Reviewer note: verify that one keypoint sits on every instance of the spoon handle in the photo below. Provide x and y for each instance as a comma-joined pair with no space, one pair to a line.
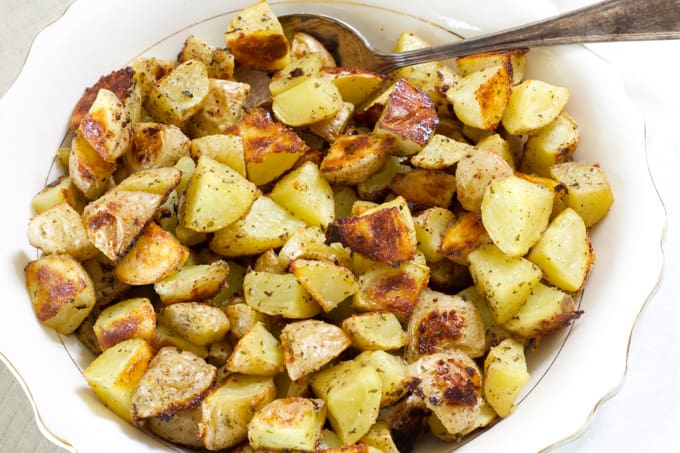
611,20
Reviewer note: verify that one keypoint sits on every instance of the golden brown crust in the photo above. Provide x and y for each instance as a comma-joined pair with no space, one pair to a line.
425,188
410,113
121,82
381,235
258,52
463,236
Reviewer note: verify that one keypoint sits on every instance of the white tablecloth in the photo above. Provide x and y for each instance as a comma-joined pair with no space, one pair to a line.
644,416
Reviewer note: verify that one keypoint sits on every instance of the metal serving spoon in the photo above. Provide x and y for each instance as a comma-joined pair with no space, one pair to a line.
611,20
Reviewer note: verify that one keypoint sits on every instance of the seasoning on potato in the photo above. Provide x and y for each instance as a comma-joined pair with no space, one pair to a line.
355,261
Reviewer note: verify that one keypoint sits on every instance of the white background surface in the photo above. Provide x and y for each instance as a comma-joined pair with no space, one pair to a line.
644,416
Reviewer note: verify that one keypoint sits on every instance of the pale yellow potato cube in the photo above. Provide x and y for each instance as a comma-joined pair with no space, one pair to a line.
242,318
114,374
222,107
375,330
306,194
564,252
312,100
310,243
480,98
441,152
227,410
352,393
504,281
355,85
545,310
201,324
495,333
61,292
392,371
533,104
333,127
267,225
515,212
279,294
431,225
180,94
310,344
62,190
328,283
589,192
552,144
505,374
132,318
192,283
257,353
167,337
216,196
225,149
288,423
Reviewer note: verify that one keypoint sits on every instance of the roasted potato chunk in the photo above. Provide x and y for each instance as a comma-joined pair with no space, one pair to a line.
384,233
179,94
474,173
222,108
216,196
201,324
132,318
463,236
441,152
257,353
106,126
564,252
193,283
181,428
352,393
114,375
155,145
61,292
476,62
545,310
480,98
88,170
61,190
227,410
409,117
375,330
441,322
310,344
425,188
60,230
288,423
155,255
225,149
279,294
175,380
532,105
515,212
352,158
355,85
450,385
304,44
310,101
504,281
256,39
269,147
550,145
328,283
218,62
505,373
392,371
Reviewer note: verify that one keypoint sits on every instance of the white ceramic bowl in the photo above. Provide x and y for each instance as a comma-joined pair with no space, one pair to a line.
571,373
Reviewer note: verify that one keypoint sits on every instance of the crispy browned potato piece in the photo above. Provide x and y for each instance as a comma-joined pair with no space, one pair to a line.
465,235
269,147
425,188
409,116
122,82
175,380
382,235
353,158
